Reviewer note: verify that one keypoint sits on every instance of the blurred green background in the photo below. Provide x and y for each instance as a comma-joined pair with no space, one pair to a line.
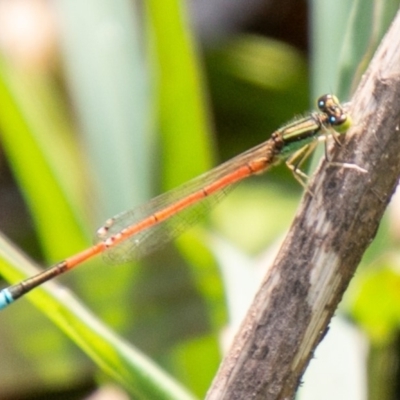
105,104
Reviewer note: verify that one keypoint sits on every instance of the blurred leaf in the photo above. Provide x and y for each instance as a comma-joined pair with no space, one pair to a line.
367,24
259,61
253,215
110,88
44,158
122,362
182,106
187,150
257,84
187,357
329,19
375,299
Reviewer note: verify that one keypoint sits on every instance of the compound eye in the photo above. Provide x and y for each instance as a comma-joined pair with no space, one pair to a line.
328,102
321,103
332,120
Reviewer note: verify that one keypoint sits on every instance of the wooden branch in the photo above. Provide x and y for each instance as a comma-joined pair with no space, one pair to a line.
291,312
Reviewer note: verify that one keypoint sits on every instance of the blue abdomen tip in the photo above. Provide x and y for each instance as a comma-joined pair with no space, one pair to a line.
5,298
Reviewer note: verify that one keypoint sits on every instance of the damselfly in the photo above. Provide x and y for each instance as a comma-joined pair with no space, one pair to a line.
135,233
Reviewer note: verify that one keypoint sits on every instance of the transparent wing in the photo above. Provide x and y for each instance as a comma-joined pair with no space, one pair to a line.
149,239
156,236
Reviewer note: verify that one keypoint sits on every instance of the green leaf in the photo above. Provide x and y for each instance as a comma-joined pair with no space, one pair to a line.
184,123
121,361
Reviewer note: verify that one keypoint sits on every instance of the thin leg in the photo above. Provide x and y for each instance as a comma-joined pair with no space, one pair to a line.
295,161
335,136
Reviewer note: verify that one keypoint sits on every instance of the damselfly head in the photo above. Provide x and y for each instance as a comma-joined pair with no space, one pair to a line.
336,115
